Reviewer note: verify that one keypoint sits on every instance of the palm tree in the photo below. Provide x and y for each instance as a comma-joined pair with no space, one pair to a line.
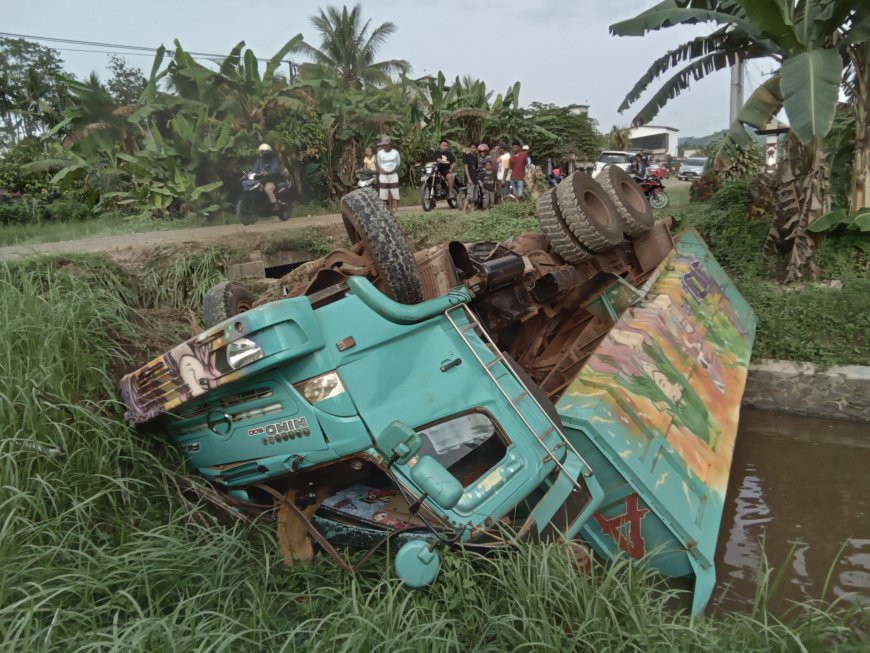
619,138
820,45
348,49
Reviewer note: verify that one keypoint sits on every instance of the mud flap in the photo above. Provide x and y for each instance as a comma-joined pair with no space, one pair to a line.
655,409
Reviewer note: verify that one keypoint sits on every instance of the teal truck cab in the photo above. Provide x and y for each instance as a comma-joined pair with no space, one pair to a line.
526,396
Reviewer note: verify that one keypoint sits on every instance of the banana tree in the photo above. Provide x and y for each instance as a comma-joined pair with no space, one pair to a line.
818,43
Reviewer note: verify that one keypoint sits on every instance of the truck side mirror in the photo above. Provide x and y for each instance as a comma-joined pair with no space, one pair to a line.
440,485
398,443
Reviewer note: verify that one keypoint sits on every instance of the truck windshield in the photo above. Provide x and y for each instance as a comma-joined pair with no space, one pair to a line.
614,157
467,445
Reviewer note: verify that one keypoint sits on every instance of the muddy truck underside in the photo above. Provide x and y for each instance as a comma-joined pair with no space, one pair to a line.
560,386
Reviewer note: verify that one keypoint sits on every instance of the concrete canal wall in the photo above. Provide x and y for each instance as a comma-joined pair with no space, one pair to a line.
805,389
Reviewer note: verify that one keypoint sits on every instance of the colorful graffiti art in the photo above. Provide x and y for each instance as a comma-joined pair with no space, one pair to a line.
660,400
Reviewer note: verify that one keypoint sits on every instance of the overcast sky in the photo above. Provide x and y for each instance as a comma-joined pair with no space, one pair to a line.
560,51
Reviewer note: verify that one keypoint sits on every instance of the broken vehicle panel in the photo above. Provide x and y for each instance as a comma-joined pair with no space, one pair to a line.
595,400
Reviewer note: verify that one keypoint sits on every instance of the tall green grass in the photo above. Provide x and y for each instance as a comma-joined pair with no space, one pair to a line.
100,552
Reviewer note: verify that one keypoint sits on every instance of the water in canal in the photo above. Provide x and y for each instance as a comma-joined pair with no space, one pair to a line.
799,488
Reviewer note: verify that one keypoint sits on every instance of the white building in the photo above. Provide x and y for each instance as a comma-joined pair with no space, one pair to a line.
657,139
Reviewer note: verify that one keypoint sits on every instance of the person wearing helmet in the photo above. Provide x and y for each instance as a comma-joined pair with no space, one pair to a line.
267,170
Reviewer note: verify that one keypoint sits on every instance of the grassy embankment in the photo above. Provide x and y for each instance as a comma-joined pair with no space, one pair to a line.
101,552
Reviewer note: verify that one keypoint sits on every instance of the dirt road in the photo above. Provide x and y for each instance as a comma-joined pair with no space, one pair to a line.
149,239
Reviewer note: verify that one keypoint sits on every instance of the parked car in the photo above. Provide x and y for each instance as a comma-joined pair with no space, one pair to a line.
613,158
692,168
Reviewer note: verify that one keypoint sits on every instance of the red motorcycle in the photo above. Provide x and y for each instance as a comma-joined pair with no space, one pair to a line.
655,192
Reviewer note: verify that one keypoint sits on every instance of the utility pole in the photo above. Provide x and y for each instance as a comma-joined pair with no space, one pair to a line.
737,74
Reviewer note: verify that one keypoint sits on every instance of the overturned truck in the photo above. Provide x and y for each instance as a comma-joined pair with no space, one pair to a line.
579,385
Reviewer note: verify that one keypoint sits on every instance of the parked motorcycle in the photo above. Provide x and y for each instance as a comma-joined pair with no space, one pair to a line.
366,178
434,188
255,204
655,192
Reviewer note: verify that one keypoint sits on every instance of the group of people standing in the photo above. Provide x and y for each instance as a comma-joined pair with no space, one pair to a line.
495,174
489,175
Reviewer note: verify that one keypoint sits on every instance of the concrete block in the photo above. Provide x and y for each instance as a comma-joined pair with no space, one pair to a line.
249,270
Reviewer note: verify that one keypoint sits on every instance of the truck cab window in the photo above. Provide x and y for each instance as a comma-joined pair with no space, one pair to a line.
467,445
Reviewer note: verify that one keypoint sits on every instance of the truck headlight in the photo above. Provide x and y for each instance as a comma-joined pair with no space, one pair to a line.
242,352
320,387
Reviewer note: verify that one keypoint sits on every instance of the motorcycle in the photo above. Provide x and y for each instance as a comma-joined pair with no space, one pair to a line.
366,178
654,191
434,188
254,203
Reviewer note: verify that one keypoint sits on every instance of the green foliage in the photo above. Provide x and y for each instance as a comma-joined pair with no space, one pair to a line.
704,187
817,324
735,239
180,278
30,89
15,177
500,223
29,211
126,83
570,135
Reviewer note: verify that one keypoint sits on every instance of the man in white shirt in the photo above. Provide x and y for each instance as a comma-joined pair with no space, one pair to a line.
503,170
388,161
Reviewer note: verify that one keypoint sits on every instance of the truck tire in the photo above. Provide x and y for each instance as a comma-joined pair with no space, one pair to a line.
366,219
589,213
557,232
225,300
627,197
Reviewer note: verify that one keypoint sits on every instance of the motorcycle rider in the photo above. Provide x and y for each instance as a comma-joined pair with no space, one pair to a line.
637,167
266,169
446,162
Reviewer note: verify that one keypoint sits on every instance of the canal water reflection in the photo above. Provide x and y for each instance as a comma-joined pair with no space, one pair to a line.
797,483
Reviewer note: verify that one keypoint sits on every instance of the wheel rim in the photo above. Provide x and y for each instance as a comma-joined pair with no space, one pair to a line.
658,201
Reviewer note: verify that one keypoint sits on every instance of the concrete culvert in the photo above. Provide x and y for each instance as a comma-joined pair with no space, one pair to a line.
627,196
553,226
366,219
589,213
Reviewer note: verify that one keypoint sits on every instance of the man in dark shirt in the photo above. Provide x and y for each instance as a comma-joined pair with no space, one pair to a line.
446,162
471,163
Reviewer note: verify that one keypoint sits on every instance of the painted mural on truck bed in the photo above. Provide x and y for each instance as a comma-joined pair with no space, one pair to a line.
659,399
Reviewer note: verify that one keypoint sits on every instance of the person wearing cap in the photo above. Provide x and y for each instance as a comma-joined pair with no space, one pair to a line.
518,162
388,161
529,163
267,170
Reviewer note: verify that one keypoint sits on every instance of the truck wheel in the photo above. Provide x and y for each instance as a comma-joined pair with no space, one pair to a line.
627,197
245,211
589,213
366,219
225,300
557,232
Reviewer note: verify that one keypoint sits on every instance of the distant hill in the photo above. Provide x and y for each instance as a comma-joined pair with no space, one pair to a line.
700,142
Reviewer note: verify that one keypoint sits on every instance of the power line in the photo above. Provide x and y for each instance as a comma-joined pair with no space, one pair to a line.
128,49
